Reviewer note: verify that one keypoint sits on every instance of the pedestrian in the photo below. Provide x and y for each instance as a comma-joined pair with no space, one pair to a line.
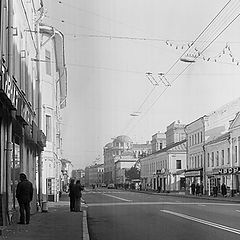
71,195
224,190
78,194
197,189
201,188
193,188
215,191
24,195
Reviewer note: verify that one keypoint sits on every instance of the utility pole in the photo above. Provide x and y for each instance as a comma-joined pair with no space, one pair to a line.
39,99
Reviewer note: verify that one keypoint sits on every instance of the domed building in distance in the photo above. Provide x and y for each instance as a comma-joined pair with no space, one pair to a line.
119,154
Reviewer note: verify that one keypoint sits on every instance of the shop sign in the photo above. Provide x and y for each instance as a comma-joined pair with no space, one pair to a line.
9,88
231,170
193,173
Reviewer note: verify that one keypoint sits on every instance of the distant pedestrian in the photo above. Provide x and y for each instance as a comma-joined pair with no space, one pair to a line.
193,188
78,194
224,190
24,195
201,188
197,189
71,195
215,191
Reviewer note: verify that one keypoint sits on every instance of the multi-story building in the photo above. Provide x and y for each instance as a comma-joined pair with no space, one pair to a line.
123,163
158,141
21,137
164,169
94,175
218,158
79,174
119,146
53,87
206,133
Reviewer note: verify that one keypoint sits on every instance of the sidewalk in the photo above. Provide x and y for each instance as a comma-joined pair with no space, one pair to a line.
183,195
58,223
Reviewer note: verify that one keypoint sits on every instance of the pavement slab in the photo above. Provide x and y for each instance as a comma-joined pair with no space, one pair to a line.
58,223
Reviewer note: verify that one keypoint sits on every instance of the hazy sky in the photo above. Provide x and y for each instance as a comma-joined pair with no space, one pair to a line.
106,76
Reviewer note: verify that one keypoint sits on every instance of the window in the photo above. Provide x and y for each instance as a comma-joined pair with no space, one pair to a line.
160,145
178,164
48,62
201,161
222,157
208,159
212,159
198,161
198,139
217,158
201,137
236,154
48,128
228,155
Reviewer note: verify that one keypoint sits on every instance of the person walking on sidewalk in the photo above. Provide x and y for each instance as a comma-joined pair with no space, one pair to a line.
72,195
78,194
193,188
24,195
224,190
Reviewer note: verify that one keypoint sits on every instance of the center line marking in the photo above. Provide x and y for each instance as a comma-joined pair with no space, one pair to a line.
123,199
212,224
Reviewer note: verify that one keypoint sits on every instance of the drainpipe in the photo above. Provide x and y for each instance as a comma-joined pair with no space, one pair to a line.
39,101
9,124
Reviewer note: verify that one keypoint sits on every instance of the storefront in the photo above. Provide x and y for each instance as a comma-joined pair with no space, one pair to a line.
229,176
193,176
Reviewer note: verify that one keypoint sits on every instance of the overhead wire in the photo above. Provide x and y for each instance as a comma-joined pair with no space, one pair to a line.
191,63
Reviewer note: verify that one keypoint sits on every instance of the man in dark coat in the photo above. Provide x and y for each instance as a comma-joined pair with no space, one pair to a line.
24,195
224,190
72,195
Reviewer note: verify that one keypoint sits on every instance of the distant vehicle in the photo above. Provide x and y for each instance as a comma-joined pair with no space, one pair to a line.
111,186
104,185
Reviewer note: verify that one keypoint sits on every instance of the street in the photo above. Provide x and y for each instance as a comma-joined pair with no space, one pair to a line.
117,214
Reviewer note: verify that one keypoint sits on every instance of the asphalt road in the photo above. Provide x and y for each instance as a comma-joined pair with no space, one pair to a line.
116,214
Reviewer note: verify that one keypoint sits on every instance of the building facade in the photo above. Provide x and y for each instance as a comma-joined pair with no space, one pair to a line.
94,175
52,82
163,170
121,145
22,139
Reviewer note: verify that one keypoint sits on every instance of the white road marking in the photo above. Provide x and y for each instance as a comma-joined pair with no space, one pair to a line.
202,205
212,224
237,210
123,199
159,203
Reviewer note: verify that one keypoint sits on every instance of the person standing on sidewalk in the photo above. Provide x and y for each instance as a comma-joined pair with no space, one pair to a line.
24,195
72,195
78,194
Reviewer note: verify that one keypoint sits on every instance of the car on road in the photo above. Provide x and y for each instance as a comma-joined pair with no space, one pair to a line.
111,186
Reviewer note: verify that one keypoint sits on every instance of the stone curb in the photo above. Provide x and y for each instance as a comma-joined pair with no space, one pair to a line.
85,226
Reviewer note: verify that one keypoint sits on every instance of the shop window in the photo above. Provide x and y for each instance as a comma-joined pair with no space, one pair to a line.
15,171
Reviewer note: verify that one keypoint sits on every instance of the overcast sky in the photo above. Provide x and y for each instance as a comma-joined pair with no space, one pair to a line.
106,76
